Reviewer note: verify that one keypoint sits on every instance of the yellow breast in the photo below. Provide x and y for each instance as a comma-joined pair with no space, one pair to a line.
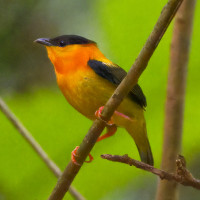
85,91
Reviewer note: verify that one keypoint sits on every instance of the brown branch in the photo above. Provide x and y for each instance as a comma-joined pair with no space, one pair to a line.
182,176
174,110
122,90
36,146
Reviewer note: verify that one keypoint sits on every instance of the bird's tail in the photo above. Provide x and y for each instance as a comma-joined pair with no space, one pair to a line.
137,130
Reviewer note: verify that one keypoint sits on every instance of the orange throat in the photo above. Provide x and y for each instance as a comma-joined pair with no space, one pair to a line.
73,57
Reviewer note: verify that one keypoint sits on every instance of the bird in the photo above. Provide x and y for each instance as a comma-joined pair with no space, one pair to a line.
87,79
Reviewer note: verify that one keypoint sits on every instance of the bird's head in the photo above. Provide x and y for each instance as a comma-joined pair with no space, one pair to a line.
66,48
63,45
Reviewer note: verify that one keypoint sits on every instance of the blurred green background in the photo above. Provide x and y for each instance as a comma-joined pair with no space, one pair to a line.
28,85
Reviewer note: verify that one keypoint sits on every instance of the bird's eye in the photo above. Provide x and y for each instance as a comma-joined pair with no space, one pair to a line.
62,43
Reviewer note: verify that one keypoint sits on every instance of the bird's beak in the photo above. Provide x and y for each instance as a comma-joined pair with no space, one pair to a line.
44,41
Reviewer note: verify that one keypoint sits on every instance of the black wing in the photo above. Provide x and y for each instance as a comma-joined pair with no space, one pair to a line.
116,74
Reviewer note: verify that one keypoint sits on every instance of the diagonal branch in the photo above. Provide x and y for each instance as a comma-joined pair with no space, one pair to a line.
35,145
122,90
182,175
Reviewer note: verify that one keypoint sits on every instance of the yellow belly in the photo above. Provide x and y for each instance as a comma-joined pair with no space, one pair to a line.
86,92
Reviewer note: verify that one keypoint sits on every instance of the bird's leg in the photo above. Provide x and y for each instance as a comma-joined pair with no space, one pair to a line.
110,122
122,115
98,115
112,128
111,131
73,155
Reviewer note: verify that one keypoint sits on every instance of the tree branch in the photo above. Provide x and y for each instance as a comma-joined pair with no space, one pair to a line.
174,109
36,146
182,176
122,90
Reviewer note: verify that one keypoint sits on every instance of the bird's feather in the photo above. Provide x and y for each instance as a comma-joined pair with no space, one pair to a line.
115,75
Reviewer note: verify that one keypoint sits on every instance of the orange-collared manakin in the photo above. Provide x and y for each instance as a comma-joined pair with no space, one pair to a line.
88,79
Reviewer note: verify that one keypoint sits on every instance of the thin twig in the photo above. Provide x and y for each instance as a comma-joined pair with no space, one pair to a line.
182,176
36,146
122,90
174,111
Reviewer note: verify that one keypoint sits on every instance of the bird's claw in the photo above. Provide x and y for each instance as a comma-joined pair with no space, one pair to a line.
98,115
73,155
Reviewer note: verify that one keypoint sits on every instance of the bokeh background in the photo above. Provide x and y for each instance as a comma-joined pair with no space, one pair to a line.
28,85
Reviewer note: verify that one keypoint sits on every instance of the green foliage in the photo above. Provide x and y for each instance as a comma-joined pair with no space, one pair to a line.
122,29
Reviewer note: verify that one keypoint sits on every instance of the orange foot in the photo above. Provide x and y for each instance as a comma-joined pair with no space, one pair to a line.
98,115
110,123
111,131
112,128
73,155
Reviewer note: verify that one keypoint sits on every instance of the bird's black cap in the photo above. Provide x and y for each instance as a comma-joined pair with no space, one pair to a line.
64,40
